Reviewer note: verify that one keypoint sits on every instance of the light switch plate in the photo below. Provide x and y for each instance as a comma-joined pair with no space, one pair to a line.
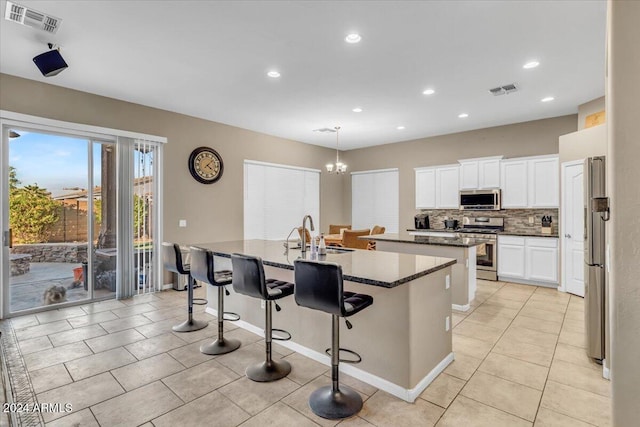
182,223
447,323
532,219
447,282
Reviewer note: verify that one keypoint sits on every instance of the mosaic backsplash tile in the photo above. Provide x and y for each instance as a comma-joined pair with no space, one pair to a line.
515,220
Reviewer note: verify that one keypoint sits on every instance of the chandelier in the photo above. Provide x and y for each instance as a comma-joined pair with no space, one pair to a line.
338,166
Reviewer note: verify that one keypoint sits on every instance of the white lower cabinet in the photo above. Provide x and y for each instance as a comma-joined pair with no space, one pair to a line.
528,259
542,259
511,257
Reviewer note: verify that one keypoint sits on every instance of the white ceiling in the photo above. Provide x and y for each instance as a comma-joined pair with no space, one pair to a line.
209,59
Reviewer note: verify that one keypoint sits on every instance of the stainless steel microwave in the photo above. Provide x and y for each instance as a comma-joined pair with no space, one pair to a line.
480,200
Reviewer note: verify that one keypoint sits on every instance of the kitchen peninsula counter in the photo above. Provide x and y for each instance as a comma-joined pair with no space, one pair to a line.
402,337
463,249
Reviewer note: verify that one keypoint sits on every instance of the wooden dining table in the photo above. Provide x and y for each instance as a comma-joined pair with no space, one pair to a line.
333,239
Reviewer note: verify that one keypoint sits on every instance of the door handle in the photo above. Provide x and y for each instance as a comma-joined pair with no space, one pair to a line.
568,236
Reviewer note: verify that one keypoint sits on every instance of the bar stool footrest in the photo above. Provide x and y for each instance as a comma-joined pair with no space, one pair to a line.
199,301
287,336
357,360
230,316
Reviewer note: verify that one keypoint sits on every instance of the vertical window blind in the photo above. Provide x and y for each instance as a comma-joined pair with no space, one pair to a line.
277,197
374,199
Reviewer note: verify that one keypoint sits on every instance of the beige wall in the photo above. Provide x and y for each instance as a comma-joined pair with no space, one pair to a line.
213,212
583,143
623,107
517,140
591,107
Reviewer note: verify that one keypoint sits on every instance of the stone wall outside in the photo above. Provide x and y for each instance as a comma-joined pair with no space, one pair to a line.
53,252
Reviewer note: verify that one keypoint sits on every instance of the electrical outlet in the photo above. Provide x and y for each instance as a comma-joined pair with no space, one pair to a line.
263,304
532,220
182,223
447,324
447,282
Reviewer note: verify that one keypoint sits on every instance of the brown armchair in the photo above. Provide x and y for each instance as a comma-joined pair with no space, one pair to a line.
350,238
335,229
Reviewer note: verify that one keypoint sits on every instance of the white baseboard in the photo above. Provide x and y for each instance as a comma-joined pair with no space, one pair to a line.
606,373
528,282
166,286
458,307
408,395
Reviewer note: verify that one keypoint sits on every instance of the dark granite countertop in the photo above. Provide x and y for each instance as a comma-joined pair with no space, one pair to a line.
524,233
438,230
463,242
377,268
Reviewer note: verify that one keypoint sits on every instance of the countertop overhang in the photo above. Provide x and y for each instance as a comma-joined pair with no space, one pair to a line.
463,242
377,268
524,233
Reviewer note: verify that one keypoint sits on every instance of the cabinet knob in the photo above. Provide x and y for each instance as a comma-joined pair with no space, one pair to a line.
568,236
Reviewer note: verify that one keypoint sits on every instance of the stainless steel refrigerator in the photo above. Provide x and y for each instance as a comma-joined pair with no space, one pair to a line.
595,292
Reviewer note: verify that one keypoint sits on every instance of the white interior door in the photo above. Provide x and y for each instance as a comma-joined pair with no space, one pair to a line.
573,228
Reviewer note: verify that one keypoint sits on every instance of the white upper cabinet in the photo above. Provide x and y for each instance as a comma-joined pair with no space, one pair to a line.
544,182
447,187
437,187
425,188
480,173
514,183
530,182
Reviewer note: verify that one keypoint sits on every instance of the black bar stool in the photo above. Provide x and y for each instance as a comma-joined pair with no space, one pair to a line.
202,269
248,279
172,260
319,286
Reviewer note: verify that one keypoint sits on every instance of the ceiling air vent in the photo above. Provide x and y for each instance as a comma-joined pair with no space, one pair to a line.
324,130
504,90
31,18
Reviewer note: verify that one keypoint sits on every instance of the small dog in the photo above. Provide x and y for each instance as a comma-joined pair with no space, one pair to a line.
55,295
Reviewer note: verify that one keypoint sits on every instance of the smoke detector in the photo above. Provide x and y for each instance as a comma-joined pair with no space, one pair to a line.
31,18
504,90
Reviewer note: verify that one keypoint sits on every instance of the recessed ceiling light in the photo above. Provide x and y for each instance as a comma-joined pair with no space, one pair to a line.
429,92
353,38
532,64
274,74
400,128
547,99
357,110
463,115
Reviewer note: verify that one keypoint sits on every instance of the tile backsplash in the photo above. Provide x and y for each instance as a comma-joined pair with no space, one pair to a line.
514,219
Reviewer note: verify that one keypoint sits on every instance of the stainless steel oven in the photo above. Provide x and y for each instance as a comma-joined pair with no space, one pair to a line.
485,228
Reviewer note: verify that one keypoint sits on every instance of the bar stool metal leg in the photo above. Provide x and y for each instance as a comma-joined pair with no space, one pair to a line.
190,324
334,402
269,370
221,345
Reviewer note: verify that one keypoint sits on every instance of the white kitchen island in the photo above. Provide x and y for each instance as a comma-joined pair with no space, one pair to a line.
402,337
463,250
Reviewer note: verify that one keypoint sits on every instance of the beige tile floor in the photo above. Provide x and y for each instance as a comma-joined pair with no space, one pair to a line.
520,361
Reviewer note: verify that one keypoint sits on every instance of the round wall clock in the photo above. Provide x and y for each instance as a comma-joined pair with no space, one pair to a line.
205,165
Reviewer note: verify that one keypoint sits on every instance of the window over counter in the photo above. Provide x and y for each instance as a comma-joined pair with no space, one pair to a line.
375,199
277,197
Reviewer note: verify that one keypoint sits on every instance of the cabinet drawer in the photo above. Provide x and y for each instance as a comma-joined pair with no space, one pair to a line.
542,242
511,240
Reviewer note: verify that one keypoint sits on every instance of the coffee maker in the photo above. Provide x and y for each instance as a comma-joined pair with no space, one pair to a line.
422,221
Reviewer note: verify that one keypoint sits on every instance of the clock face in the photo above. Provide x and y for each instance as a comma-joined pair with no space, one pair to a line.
205,165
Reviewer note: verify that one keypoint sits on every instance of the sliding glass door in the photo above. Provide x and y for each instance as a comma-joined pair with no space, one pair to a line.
80,215
62,220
